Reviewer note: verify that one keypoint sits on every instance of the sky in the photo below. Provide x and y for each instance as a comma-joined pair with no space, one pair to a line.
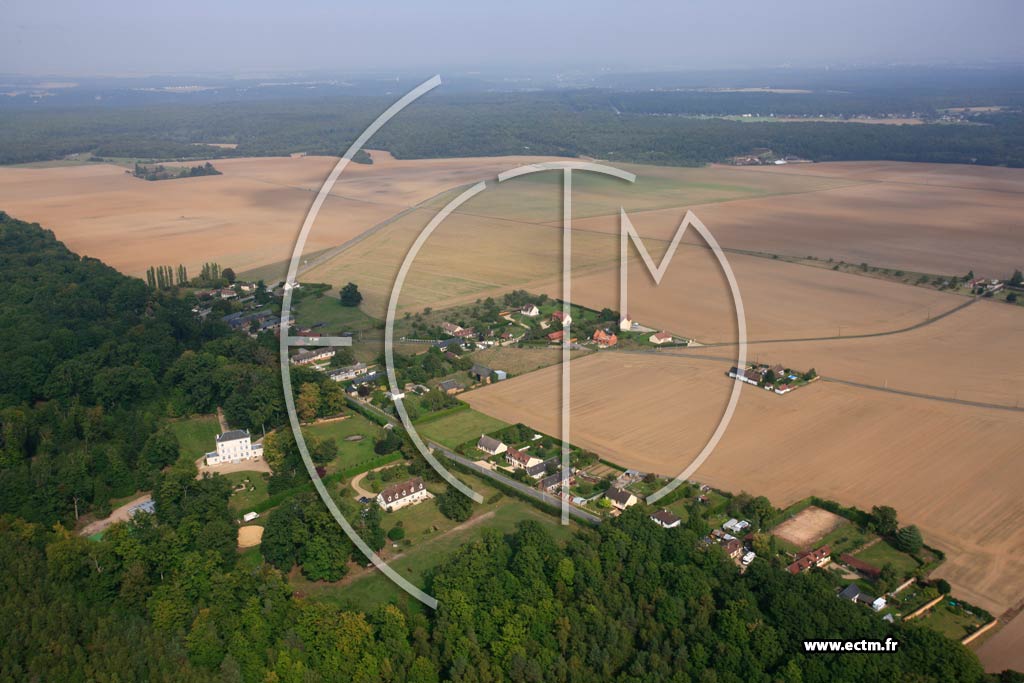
121,37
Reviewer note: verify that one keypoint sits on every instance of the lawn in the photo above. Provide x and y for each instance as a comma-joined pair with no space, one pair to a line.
244,501
844,538
352,452
457,428
196,436
328,309
883,553
951,621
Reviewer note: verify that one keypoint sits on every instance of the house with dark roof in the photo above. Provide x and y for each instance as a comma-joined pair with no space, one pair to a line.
490,445
620,498
553,481
450,387
398,496
481,373
666,519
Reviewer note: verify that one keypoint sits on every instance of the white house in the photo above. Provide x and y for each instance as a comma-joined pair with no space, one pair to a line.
490,446
665,519
530,311
398,496
519,460
736,526
562,318
660,338
312,356
625,323
234,446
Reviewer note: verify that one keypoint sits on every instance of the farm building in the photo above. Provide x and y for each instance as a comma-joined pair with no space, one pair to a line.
450,387
481,373
660,338
530,311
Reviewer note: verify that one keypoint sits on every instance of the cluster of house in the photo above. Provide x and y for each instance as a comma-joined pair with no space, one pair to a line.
732,545
241,321
234,446
469,338
758,376
312,356
536,468
819,557
403,494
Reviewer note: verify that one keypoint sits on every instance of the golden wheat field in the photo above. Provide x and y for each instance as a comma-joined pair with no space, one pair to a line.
952,470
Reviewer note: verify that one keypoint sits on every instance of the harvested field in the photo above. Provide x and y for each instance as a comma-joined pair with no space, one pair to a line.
781,300
1003,651
519,361
245,218
939,218
964,356
249,536
808,526
950,469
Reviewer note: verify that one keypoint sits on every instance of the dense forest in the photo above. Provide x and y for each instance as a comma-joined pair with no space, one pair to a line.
662,127
92,365
92,362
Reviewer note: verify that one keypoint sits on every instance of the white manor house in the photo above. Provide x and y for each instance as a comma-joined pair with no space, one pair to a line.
234,446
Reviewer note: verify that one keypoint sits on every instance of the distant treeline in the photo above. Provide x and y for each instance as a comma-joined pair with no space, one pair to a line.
651,127
161,172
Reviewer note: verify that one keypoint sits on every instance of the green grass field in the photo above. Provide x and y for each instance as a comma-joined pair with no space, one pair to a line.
457,428
327,309
196,436
351,454
244,501
882,553
952,622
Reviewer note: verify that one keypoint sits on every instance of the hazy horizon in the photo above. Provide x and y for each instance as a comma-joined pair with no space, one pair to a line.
115,37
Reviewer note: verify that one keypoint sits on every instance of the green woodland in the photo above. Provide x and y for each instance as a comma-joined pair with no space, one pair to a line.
671,128
93,365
